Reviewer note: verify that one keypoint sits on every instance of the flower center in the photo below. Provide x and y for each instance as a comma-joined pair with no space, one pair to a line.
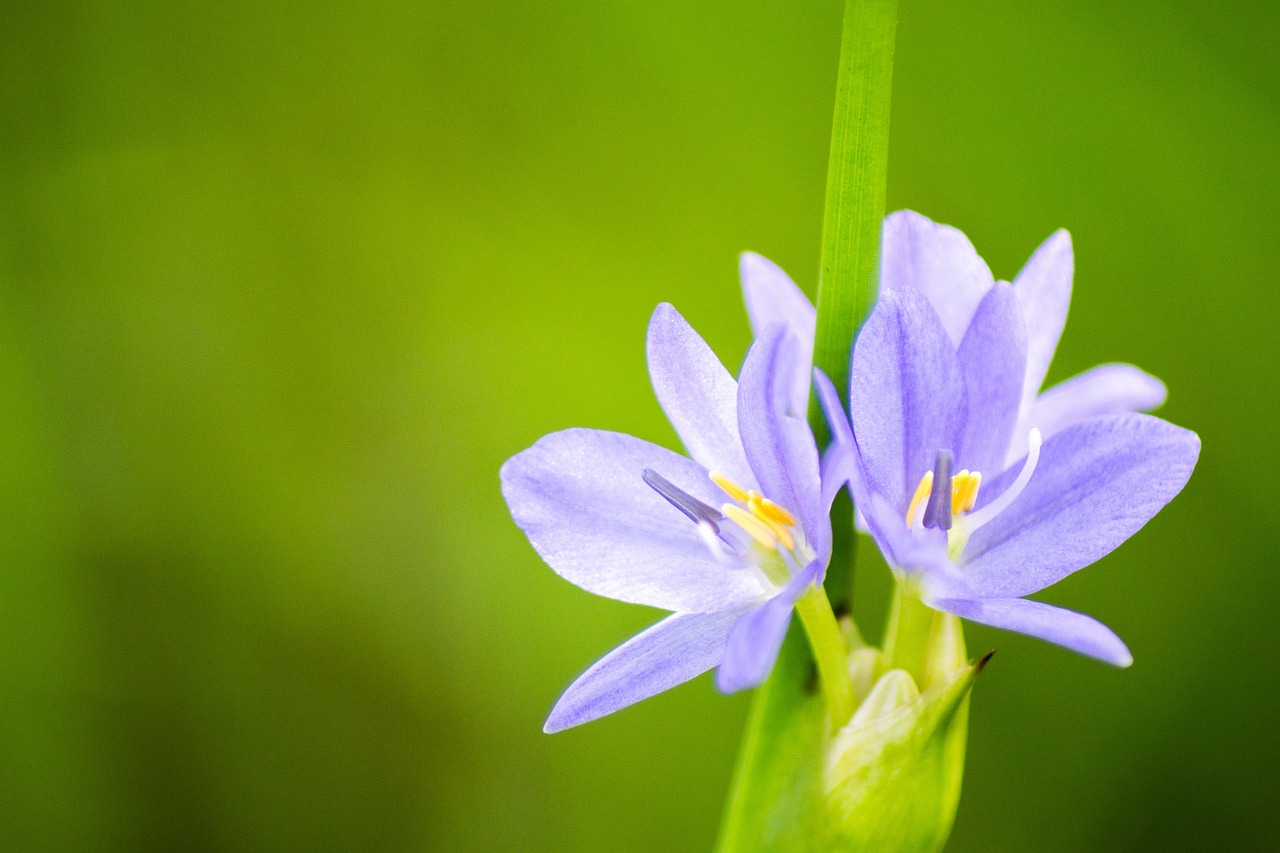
945,501
768,523
782,550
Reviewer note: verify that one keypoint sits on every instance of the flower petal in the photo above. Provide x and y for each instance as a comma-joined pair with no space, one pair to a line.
1068,628
753,643
1097,483
580,497
697,393
1044,288
678,648
772,297
923,550
937,261
1105,390
780,447
993,359
840,462
906,395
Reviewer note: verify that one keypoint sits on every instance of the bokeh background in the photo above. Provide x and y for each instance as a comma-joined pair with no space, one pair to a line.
282,285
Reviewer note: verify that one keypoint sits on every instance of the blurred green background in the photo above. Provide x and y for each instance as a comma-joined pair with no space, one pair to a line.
282,285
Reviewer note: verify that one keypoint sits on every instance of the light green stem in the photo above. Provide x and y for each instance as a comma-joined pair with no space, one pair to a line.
856,177
906,634
852,221
828,646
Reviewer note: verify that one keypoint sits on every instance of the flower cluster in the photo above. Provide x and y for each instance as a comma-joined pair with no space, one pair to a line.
979,488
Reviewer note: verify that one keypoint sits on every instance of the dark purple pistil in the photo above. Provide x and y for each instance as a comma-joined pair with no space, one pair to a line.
937,513
695,509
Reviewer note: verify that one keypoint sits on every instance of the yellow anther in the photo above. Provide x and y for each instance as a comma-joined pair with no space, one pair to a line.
961,487
729,487
971,493
922,492
758,530
959,483
777,513
784,535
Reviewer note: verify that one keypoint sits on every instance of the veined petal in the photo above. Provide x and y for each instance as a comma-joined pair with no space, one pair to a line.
906,394
780,447
923,550
697,393
937,261
1058,625
772,297
678,648
1107,389
1044,288
1097,483
993,359
840,462
753,643
580,497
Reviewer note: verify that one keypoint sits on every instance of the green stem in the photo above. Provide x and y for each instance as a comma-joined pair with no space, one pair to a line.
906,635
852,221
856,176
827,643
778,778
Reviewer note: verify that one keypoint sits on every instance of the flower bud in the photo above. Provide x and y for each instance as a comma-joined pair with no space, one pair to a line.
891,779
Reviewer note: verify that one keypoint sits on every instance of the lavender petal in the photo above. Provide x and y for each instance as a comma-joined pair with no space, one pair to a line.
993,360
1097,483
937,261
1105,390
1058,625
780,447
772,297
753,643
678,648
697,393
1044,289
906,394
581,498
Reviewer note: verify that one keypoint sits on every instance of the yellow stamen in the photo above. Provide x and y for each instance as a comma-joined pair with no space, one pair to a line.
922,492
784,535
777,513
959,485
758,530
971,493
729,487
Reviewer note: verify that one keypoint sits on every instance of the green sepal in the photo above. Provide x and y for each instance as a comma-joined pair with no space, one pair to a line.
892,775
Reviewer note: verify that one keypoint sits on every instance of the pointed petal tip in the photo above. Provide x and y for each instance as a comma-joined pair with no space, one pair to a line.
665,312
558,720
981,663
906,218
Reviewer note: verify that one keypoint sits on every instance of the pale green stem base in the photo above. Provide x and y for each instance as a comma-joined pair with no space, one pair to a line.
829,652
906,636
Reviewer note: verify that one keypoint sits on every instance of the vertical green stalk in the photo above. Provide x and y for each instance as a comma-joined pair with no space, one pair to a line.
852,222
826,641
777,784
856,175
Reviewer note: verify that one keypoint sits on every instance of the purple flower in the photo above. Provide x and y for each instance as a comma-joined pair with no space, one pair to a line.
727,540
977,488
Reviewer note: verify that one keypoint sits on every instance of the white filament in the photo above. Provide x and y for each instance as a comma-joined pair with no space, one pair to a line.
974,520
